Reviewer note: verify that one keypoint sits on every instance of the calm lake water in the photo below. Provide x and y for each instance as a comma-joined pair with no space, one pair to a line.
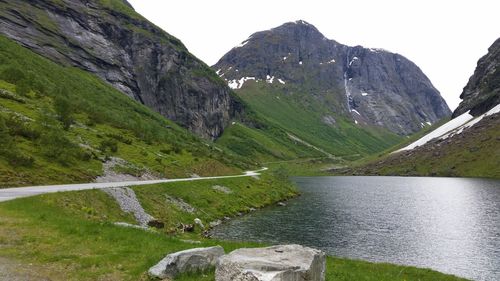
448,224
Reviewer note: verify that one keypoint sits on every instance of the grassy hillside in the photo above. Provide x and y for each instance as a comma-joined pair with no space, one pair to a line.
263,144
70,236
473,153
60,124
301,116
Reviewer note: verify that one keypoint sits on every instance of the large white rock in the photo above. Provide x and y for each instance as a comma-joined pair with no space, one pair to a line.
185,261
276,263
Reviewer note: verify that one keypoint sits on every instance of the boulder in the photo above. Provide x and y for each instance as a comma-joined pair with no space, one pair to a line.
214,223
198,222
276,263
186,261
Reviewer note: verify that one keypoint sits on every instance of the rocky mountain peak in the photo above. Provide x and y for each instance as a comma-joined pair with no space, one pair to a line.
372,87
300,30
482,92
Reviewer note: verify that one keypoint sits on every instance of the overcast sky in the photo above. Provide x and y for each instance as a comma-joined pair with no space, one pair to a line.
444,38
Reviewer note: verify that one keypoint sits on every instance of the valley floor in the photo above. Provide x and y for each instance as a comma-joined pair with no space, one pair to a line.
71,235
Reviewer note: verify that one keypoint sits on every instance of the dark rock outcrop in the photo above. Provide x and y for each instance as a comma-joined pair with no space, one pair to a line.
109,39
372,86
482,92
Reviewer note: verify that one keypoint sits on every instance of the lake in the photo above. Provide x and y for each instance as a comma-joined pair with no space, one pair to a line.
448,224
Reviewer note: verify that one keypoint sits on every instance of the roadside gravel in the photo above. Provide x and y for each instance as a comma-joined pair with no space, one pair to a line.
128,203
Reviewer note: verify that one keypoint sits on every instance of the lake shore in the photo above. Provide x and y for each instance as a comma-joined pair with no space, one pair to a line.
72,235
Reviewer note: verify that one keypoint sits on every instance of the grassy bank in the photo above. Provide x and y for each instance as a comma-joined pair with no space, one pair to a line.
70,236
473,153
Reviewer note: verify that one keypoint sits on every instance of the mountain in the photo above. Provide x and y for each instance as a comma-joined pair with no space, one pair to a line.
108,38
482,92
61,124
467,145
371,87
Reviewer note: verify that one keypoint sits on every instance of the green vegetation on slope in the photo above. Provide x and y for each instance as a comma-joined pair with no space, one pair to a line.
71,235
59,124
408,140
264,144
302,116
472,153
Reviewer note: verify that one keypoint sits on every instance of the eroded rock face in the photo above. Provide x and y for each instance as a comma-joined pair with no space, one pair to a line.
276,263
191,260
128,52
482,92
372,86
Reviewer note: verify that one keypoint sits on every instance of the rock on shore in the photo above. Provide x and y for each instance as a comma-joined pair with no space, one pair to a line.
186,261
276,263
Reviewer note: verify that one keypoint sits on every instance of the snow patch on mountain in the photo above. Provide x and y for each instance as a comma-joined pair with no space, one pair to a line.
453,127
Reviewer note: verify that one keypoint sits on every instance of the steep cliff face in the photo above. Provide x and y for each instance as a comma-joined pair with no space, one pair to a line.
482,92
378,88
109,39
467,145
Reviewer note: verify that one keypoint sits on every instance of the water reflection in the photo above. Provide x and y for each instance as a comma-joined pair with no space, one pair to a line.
448,224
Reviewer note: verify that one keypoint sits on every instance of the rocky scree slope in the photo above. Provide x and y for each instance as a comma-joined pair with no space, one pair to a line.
370,86
109,39
471,148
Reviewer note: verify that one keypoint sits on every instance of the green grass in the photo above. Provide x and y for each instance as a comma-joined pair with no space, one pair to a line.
347,270
301,115
71,237
473,153
120,7
406,141
263,145
211,204
50,144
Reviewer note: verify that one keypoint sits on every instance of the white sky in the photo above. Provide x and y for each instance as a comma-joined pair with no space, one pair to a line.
445,38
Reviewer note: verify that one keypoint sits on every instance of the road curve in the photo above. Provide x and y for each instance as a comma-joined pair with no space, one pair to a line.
18,192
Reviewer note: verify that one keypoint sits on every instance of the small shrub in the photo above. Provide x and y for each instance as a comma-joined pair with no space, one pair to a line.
109,144
12,75
120,138
166,151
55,145
19,127
17,159
64,109
23,87
176,148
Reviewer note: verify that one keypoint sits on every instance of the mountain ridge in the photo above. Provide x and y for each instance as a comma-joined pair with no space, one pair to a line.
380,88
465,146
